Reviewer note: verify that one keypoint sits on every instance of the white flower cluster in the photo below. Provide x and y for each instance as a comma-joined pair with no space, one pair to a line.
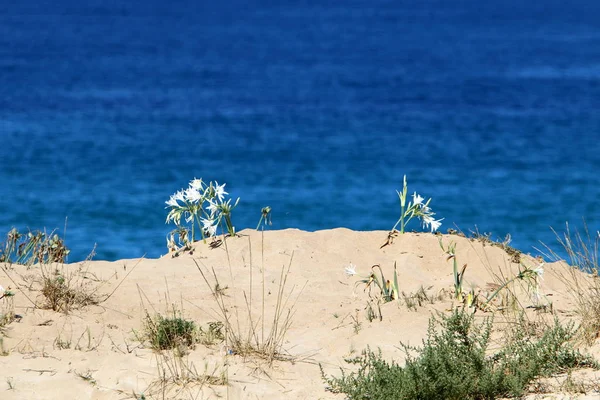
422,210
202,203
416,208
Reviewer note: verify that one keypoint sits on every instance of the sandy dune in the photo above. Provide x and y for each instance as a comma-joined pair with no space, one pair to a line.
97,352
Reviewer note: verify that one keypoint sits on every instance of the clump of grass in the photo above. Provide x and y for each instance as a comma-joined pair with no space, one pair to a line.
246,335
33,247
7,308
177,376
169,332
420,297
212,334
87,376
453,363
65,290
581,248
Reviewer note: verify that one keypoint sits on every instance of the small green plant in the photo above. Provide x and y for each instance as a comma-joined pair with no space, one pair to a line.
7,309
386,290
418,298
458,276
454,364
87,376
416,208
265,217
212,334
169,332
62,344
202,204
356,324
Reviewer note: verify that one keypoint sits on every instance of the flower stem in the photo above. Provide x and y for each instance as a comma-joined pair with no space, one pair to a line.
505,284
402,219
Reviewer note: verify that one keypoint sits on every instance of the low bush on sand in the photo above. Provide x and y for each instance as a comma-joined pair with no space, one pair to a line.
454,363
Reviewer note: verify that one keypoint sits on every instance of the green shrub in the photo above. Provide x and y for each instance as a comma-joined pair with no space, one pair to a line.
168,333
453,364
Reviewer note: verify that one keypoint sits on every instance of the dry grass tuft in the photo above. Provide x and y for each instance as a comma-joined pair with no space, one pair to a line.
582,252
65,290
246,334
178,377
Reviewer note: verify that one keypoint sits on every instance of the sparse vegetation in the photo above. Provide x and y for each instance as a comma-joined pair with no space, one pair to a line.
453,363
7,308
169,332
177,376
212,334
582,252
459,277
486,239
87,376
420,298
64,290
33,247
385,291
245,334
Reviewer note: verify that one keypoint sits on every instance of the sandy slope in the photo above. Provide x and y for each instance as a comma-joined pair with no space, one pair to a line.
50,353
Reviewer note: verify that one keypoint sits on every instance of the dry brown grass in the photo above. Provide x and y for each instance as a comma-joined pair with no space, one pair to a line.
245,333
581,249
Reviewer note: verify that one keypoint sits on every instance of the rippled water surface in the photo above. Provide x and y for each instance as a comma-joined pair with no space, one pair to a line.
316,109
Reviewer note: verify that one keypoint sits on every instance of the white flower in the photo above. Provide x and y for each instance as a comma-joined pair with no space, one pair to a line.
435,225
172,202
196,184
220,191
350,270
429,221
539,271
209,226
212,207
175,199
1,289
417,199
179,196
192,195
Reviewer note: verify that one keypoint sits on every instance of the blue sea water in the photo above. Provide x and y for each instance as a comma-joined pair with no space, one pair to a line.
317,109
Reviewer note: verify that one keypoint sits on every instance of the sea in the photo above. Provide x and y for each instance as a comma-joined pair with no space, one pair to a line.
317,109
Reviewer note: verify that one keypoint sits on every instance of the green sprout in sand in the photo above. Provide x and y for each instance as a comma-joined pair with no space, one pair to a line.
458,276
388,290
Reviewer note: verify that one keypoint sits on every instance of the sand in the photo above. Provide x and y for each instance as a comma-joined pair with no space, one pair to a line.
98,351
